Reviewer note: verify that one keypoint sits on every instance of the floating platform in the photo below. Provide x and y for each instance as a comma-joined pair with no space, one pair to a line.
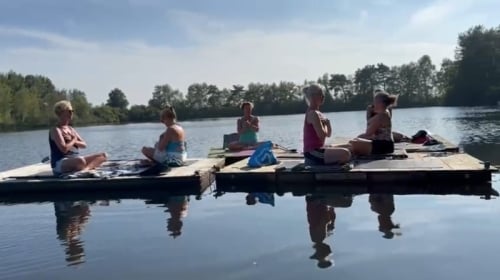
417,168
196,176
401,150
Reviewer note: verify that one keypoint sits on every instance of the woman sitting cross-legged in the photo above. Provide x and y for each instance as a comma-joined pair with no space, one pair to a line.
65,143
248,128
316,129
170,150
370,112
378,138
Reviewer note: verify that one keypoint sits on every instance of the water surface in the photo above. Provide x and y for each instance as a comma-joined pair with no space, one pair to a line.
278,237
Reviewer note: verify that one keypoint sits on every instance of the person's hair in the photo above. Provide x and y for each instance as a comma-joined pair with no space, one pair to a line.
168,113
61,106
389,100
246,103
313,89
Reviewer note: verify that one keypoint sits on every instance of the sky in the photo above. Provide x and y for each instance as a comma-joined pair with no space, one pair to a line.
97,45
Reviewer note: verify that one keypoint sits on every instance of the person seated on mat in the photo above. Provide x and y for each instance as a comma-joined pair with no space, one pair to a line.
397,136
316,129
65,143
378,138
170,149
247,127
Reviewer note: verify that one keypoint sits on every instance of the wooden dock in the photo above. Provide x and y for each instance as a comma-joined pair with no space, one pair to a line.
417,168
196,176
400,150
232,157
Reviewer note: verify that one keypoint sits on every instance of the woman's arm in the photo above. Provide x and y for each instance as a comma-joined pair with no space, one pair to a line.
164,140
328,127
369,112
56,135
239,126
80,143
313,118
255,124
374,125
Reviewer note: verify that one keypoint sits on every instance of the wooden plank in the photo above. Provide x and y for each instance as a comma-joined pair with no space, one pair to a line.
29,170
463,162
196,176
418,167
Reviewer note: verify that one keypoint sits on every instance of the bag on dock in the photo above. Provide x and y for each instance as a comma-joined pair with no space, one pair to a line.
263,156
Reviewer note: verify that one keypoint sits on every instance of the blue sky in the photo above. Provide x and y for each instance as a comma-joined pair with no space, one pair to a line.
96,45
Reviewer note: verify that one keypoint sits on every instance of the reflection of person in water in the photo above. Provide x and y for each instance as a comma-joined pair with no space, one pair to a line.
71,218
265,198
321,219
177,206
383,204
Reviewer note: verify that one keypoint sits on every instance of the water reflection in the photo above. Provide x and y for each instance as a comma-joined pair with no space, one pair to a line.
177,207
71,218
262,197
321,219
383,205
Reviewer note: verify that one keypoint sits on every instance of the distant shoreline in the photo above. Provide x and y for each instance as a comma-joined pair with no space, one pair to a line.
41,127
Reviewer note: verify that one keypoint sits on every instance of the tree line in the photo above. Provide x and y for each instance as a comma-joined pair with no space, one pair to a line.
470,79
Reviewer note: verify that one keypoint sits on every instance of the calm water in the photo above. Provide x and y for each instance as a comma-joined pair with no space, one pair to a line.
290,237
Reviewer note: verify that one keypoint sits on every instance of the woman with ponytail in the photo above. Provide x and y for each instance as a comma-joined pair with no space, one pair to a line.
378,138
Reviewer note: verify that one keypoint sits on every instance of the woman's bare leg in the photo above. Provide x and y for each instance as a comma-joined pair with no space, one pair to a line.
362,147
235,146
73,164
148,152
95,160
337,155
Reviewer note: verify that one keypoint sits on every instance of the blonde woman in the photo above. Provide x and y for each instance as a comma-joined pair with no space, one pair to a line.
170,150
315,131
65,144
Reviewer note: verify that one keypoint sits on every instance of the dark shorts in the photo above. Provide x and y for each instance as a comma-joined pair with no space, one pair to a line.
315,157
380,147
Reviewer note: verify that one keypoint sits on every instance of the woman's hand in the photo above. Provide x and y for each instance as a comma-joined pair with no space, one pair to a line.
328,125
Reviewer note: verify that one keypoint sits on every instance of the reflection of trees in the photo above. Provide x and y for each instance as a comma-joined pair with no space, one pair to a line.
383,204
71,218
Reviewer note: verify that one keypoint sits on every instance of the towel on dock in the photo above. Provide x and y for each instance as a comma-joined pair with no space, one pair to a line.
113,169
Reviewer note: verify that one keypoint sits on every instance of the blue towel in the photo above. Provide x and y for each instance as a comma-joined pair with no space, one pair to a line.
262,156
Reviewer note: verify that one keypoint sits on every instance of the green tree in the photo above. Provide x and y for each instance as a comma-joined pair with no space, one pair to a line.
83,109
117,99
164,95
197,96
477,68
236,96
426,72
5,104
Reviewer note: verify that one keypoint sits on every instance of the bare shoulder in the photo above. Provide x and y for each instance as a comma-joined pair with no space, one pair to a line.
174,129
312,114
54,131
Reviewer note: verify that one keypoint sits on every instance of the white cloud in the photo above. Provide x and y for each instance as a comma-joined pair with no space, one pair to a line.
48,37
438,11
224,57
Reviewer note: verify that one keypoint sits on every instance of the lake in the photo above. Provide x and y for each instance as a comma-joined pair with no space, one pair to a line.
279,237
